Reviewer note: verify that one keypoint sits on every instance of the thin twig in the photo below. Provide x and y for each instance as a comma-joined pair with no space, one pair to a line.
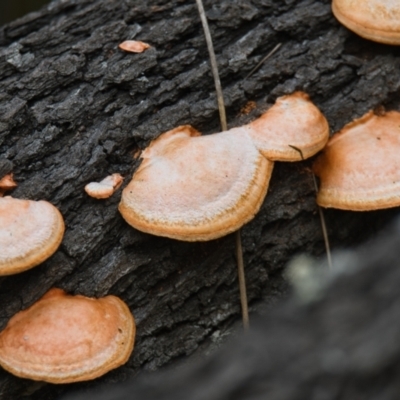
323,226
321,215
242,280
214,66
270,54
224,126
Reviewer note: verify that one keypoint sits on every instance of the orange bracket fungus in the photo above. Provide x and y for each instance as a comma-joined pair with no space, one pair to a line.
104,188
63,338
30,232
294,122
377,20
360,167
192,187
134,46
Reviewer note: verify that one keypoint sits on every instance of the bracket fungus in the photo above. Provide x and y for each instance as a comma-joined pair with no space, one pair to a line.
377,20
293,122
196,188
30,232
105,188
192,187
63,338
359,168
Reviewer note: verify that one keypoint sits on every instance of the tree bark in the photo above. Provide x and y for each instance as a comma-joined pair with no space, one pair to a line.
336,339
74,108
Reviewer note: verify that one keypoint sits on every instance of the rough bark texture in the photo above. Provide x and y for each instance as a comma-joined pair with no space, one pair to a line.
74,108
342,343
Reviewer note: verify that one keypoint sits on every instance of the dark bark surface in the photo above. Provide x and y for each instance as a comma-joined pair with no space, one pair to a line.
342,343
74,108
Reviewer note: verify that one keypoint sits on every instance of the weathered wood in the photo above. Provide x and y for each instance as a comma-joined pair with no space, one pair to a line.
74,108
341,344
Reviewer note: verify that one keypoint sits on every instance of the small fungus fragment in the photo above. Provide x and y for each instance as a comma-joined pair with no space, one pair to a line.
359,168
105,188
63,338
30,232
377,20
194,188
134,46
7,183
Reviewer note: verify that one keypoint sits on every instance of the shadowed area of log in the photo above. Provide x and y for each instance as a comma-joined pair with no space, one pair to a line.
74,108
344,342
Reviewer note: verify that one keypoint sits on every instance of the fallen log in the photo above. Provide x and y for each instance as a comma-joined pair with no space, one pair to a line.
337,339
74,108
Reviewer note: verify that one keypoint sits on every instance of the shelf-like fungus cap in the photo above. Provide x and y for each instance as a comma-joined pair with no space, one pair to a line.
377,20
293,122
30,232
359,168
63,338
105,188
191,187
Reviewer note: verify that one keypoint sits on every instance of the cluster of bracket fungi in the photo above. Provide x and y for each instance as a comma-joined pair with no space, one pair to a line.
194,188
188,187
60,338
360,167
